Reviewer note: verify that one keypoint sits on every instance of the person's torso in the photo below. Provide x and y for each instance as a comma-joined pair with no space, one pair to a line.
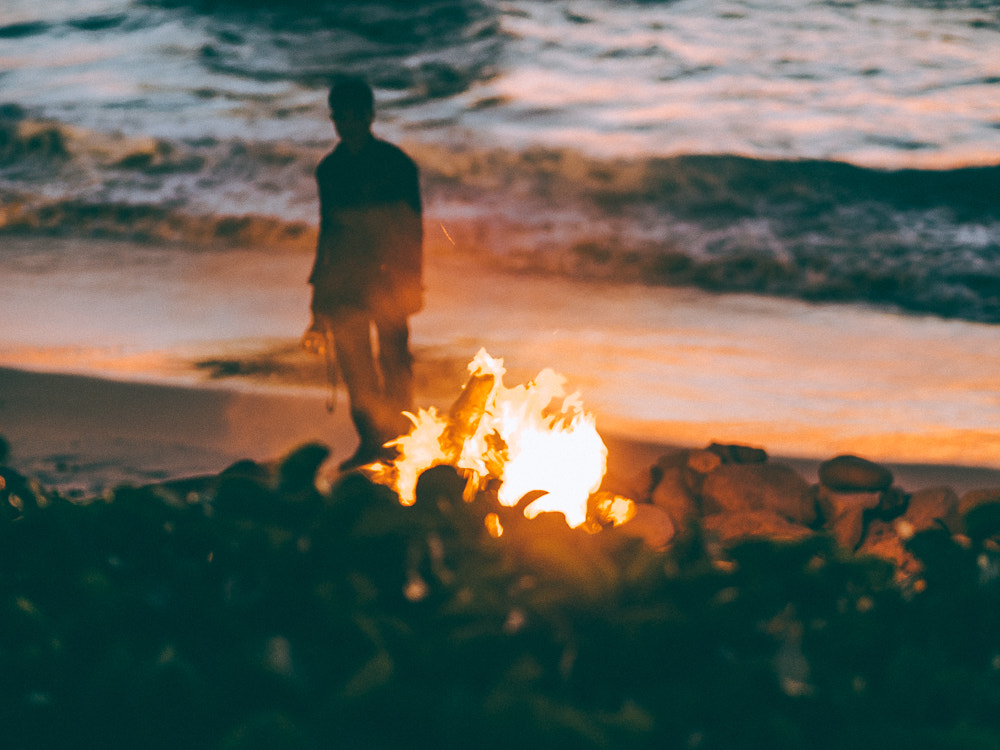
378,174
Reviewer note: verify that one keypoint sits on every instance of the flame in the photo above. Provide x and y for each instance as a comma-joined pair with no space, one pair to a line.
616,510
419,450
533,438
493,525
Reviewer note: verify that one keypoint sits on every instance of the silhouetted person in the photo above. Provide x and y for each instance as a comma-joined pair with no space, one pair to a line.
367,276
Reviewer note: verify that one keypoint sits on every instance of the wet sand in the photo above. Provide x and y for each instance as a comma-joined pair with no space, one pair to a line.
656,366
85,435
89,434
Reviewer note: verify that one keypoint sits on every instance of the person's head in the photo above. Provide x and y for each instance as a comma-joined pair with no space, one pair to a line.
352,109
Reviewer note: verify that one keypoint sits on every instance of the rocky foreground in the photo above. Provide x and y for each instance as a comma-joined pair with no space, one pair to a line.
734,492
740,607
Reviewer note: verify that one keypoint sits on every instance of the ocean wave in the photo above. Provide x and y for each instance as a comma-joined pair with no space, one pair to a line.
45,161
420,51
23,142
91,23
721,185
23,215
919,240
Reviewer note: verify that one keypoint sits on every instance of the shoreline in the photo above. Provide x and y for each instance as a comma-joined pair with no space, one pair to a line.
87,434
83,435
655,364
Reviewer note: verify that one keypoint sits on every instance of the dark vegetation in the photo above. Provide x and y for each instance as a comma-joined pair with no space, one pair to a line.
251,610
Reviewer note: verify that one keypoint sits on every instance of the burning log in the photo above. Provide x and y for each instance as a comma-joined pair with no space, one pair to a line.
466,414
532,439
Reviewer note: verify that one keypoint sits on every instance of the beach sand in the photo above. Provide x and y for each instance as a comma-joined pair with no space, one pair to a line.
87,434
186,361
84,435
657,364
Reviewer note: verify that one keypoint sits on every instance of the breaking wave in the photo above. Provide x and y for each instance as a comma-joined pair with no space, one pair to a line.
427,50
919,240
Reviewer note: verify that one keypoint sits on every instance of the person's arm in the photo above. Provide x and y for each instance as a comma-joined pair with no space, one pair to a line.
412,195
414,287
324,227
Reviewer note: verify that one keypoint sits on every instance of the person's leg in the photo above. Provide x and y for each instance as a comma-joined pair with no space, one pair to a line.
396,363
352,342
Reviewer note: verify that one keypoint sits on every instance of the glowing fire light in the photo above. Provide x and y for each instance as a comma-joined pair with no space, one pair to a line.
534,438
616,510
493,525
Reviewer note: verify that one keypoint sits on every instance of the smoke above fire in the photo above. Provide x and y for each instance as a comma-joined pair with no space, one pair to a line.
536,441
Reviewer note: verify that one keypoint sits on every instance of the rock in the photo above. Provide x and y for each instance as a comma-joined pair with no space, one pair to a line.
928,508
733,527
832,503
297,472
843,513
244,490
738,454
975,498
673,467
848,473
892,502
246,468
936,507
679,474
673,495
762,486
982,523
703,462
882,540
18,494
650,524
676,458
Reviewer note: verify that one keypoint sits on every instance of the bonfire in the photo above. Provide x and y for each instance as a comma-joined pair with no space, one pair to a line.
535,441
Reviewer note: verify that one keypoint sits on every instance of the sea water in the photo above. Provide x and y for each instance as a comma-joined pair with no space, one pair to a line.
772,222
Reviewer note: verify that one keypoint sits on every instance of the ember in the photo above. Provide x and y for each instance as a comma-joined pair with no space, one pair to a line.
533,439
